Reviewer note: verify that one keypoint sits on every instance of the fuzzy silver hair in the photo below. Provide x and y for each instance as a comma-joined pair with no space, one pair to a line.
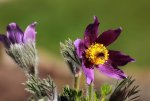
68,52
25,55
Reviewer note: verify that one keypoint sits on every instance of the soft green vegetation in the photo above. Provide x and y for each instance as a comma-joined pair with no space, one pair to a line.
124,90
58,20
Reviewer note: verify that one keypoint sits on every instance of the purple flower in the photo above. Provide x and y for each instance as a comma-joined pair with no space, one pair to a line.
20,46
93,51
16,36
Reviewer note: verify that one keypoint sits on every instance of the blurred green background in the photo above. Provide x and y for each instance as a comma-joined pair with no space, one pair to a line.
60,19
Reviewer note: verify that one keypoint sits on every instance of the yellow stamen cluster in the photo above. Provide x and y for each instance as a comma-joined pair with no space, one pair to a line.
97,54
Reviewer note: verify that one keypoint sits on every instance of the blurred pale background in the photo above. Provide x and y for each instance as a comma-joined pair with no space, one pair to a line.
60,19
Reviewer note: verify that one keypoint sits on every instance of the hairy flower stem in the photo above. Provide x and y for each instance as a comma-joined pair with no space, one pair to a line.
33,71
103,99
90,92
77,82
36,71
44,99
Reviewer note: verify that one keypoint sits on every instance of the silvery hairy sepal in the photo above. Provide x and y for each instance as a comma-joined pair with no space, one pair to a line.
70,56
25,55
20,46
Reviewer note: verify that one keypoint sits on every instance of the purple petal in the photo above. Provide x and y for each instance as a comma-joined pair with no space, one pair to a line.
109,36
5,41
14,33
111,71
30,33
119,58
79,46
91,32
89,73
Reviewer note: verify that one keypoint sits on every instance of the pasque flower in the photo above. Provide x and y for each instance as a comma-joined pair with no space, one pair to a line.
93,51
16,36
20,46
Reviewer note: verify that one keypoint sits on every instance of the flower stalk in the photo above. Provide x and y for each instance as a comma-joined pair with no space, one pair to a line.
103,98
77,82
90,91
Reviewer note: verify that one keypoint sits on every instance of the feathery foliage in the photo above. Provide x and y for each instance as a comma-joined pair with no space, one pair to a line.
125,91
41,87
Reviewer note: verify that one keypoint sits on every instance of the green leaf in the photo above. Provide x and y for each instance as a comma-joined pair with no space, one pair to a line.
41,87
125,90
106,89
71,94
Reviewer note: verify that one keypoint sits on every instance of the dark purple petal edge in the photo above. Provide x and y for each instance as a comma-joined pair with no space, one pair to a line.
5,40
119,59
91,32
14,33
109,36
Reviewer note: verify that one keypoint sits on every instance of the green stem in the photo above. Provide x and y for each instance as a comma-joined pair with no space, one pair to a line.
44,99
103,98
90,92
77,82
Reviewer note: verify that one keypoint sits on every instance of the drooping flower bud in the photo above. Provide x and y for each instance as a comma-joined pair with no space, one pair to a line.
20,46
70,56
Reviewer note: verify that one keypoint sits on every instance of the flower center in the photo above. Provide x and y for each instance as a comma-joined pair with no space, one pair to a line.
97,54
